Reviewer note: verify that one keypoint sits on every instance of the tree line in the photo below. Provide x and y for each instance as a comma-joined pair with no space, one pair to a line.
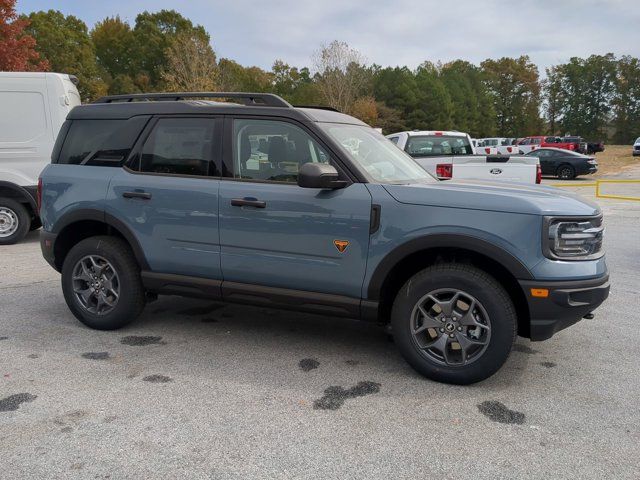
596,97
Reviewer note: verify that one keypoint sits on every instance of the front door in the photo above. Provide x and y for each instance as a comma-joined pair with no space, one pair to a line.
274,233
168,197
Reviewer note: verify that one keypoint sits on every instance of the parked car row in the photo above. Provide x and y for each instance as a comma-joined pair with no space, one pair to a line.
506,146
450,154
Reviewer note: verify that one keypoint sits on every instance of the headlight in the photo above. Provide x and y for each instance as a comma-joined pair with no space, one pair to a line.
578,238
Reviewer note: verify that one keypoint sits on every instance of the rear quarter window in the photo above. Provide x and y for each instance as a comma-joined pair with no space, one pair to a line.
100,142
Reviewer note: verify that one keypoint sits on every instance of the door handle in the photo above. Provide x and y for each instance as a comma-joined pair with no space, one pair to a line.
142,195
248,202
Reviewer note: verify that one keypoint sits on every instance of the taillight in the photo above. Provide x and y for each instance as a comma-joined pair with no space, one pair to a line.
538,174
39,195
509,149
444,170
571,147
487,151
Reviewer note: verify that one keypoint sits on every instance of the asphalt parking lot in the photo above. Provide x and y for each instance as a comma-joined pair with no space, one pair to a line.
197,389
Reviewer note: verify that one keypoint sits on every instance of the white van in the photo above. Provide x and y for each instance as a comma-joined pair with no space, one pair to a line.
33,107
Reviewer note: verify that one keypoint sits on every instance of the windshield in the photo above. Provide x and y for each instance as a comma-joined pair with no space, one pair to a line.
381,159
438,145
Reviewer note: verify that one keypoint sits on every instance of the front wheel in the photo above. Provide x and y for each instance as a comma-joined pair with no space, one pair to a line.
454,323
101,283
14,221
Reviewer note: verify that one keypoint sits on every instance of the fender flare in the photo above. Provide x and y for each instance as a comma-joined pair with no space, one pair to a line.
23,193
427,242
113,222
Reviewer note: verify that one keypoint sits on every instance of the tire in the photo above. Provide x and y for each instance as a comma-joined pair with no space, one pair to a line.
566,172
492,306
82,262
14,221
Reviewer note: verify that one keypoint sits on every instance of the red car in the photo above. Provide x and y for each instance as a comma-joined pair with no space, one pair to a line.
553,142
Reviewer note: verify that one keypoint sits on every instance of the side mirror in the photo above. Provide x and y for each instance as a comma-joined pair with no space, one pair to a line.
319,175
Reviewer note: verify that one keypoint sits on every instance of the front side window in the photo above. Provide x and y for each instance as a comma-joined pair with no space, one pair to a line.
181,146
383,162
271,150
436,145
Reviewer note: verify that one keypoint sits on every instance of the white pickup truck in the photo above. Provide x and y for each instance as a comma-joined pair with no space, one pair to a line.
502,146
450,154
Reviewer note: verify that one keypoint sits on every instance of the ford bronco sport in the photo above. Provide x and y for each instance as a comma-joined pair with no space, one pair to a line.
309,209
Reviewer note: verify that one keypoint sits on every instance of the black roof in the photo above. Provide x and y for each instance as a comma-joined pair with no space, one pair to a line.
127,106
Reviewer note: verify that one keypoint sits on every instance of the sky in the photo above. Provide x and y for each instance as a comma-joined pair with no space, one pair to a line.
391,33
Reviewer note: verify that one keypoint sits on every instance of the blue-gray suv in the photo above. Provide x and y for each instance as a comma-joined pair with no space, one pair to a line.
255,201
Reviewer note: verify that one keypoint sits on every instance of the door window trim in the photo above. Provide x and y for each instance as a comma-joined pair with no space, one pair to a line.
133,162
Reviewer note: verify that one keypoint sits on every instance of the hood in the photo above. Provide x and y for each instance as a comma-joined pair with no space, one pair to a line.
495,196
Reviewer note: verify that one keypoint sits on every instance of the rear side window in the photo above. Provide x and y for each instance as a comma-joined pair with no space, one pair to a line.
100,142
438,145
182,146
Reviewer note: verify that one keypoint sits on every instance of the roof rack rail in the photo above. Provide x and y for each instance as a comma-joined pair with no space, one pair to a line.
254,99
319,107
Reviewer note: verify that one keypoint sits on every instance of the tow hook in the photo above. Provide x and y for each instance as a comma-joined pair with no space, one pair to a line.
589,316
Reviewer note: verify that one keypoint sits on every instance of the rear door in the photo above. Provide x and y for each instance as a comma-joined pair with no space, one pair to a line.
274,233
167,195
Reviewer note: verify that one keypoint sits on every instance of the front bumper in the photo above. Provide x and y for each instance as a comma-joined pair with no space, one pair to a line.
566,303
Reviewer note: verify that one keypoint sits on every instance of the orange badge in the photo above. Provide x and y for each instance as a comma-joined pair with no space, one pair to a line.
341,245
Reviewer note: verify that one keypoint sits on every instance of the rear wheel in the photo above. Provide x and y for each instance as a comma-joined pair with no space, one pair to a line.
101,283
454,323
566,172
14,221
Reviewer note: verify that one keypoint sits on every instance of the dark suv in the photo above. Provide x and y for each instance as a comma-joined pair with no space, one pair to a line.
309,209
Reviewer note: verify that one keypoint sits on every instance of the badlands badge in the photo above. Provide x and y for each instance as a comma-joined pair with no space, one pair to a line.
341,245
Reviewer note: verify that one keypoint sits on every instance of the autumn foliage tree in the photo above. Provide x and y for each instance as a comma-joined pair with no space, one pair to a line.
17,49
191,65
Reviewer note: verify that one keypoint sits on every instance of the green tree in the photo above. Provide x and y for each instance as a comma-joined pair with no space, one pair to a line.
472,106
233,77
553,99
397,90
153,35
65,42
588,87
114,46
295,85
515,87
434,107
626,101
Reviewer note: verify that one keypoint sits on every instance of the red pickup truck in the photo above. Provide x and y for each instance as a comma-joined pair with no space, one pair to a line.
555,142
